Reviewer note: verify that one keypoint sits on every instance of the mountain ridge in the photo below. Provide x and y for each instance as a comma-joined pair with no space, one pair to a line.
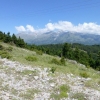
60,37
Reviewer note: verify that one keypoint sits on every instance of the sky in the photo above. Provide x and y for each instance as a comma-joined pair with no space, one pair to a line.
39,16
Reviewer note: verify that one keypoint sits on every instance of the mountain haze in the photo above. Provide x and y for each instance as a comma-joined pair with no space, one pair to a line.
60,37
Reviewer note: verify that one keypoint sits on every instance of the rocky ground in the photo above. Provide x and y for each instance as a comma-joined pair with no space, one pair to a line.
21,82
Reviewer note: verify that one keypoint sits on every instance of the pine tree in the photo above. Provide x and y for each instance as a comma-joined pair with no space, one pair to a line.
77,54
98,60
1,36
20,42
14,39
66,50
8,38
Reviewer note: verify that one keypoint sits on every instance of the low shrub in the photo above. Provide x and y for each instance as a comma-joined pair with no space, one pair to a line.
53,69
64,90
84,74
31,58
55,61
62,60
63,95
5,54
58,62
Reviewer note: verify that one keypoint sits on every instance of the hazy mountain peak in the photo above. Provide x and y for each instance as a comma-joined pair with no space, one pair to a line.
60,37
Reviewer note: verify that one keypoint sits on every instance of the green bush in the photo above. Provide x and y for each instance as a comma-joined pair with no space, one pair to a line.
58,62
84,74
62,60
5,54
63,91
63,95
55,61
31,58
53,69
64,88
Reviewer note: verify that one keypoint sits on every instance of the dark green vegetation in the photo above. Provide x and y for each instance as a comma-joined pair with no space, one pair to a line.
53,69
58,62
88,55
7,38
84,74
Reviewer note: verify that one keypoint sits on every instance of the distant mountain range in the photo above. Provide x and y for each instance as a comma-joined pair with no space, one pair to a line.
60,37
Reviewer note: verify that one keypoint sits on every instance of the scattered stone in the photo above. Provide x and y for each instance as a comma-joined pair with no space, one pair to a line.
52,84
36,77
73,61
43,85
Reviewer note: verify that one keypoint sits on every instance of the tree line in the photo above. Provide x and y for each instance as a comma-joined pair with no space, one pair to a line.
7,38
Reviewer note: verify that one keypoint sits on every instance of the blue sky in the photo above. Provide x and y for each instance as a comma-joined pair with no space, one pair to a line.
38,15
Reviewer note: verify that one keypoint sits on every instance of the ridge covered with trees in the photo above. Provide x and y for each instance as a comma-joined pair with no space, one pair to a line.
88,55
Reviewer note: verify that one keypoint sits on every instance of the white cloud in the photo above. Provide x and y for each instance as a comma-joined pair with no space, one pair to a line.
92,28
20,28
30,28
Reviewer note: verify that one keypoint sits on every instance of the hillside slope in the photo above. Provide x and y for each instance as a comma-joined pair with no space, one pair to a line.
21,79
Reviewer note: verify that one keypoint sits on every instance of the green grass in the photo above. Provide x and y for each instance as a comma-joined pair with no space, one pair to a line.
31,58
19,54
29,94
55,96
84,74
28,72
14,91
5,54
63,90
